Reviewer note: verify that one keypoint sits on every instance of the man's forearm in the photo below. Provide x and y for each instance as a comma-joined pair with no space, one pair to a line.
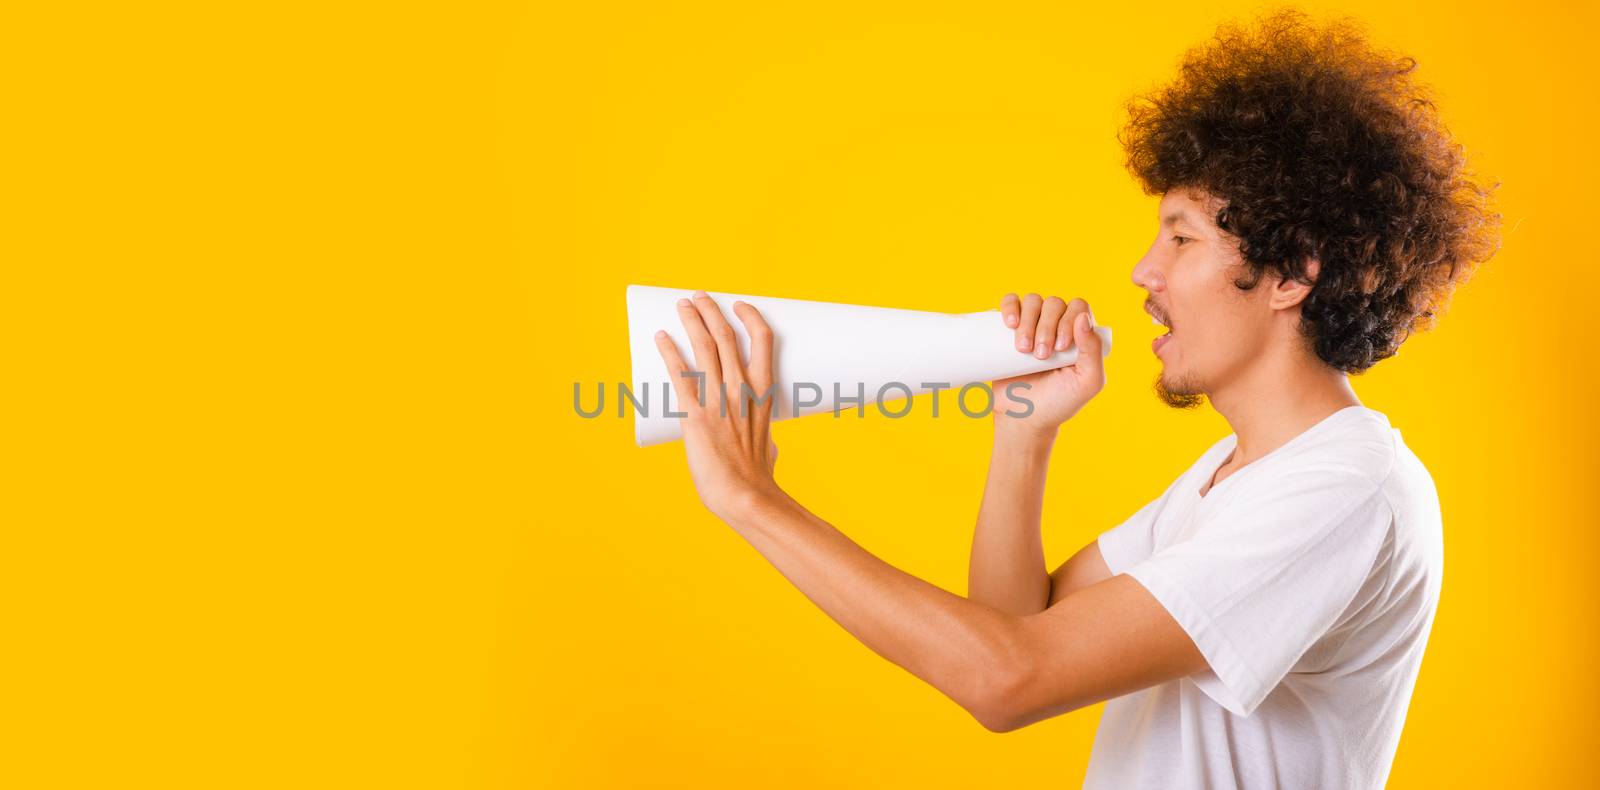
1007,569
967,650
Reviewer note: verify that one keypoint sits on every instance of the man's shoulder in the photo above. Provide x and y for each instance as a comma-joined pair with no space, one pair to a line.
1360,448
1368,456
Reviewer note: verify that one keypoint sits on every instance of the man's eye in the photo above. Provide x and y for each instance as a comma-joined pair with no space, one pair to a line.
1179,240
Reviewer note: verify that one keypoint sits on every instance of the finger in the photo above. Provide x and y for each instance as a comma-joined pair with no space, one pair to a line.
705,349
727,343
1010,309
1044,335
1030,318
683,387
1089,363
1068,319
759,372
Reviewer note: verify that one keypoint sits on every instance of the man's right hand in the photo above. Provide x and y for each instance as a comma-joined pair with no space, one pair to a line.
1044,326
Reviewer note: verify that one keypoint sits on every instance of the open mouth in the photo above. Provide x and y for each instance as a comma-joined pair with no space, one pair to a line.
1162,339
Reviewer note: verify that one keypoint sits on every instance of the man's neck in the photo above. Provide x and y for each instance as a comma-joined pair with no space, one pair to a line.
1279,397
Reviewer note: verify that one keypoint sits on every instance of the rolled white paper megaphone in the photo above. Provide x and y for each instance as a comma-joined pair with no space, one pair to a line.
826,353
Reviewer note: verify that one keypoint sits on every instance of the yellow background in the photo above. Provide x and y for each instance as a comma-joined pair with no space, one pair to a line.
296,295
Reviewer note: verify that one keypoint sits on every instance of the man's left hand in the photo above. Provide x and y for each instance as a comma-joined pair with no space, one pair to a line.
727,432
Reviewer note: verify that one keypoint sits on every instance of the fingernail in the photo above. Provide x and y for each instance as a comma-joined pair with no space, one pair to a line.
1011,321
1025,343
660,333
698,294
1089,319
684,303
1043,352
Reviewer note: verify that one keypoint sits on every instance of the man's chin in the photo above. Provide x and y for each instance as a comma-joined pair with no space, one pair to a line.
1179,395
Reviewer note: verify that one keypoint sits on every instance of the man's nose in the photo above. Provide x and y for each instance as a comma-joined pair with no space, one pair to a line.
1147,275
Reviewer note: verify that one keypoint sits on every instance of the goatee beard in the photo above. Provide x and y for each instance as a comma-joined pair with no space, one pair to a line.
1181,395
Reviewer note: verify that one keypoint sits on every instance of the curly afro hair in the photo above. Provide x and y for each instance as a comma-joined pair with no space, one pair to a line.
1319,146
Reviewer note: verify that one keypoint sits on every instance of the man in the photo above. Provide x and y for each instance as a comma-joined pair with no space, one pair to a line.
1261,623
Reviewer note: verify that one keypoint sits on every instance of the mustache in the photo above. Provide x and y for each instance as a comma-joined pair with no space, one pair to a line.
1154,309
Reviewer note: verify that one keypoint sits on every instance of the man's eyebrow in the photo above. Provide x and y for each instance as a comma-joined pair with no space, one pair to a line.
1174,218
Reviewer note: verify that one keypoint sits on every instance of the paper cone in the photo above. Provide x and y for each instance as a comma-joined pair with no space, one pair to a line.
857,348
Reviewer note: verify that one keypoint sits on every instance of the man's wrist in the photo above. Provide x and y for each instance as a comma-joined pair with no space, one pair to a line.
1017,433
755,505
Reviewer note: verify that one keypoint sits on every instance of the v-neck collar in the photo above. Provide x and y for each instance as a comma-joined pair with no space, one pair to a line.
1210,493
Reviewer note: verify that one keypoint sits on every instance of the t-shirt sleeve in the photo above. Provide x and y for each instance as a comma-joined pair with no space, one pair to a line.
1132,541
1266,575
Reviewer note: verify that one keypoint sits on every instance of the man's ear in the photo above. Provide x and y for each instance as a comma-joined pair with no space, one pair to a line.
1288,292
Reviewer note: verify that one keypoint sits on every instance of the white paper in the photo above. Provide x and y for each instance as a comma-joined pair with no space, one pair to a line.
856,348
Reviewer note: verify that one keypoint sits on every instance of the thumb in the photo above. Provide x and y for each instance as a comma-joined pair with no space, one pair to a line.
1088,343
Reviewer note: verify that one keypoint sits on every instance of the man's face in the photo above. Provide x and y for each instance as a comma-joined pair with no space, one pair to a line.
1214,328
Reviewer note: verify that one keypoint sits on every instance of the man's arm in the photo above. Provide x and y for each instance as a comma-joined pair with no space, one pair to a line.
1007,569
1008,670
1109,638
1083,569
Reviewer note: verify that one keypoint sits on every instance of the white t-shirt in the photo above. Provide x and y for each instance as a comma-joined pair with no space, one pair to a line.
1308,578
